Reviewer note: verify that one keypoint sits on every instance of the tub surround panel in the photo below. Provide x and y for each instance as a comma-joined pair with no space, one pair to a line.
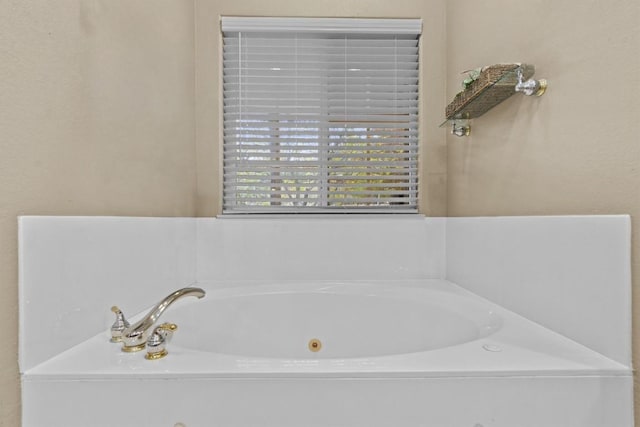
321,402
348,248
73,269
570,274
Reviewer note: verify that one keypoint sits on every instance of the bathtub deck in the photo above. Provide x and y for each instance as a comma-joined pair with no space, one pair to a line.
519,348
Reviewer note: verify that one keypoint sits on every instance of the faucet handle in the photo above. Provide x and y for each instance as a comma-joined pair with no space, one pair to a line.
119,325
157,342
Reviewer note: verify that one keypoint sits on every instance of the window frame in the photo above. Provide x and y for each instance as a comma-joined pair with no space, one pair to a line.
331,26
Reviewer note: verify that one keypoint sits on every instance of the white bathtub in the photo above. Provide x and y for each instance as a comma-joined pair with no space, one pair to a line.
330,320
393,353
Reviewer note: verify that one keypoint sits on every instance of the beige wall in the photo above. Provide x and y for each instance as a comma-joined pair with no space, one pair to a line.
110,107
96,118
575,150
208,94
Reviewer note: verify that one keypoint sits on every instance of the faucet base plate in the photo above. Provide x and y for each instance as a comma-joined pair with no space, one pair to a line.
133,348
156,356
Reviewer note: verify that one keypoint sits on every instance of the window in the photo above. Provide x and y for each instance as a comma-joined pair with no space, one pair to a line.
320,115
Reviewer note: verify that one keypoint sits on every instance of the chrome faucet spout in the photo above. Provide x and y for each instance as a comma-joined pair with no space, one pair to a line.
135,336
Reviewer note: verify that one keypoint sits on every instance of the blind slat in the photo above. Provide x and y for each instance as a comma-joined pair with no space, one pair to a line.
268,193
284,121
255,185
373,133
351,202
313,156
276,173
306,179
334,80
247,145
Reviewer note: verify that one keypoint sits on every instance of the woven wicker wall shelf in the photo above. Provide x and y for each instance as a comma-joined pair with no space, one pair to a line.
494,84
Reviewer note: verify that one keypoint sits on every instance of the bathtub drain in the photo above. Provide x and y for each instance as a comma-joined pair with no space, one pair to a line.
315,345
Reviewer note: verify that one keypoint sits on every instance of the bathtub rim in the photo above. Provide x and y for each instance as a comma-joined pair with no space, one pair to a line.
96,358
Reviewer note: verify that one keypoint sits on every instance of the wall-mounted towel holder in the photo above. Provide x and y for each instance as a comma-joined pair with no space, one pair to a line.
490,87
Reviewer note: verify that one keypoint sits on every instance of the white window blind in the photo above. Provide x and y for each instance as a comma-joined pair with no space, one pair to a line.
320,115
